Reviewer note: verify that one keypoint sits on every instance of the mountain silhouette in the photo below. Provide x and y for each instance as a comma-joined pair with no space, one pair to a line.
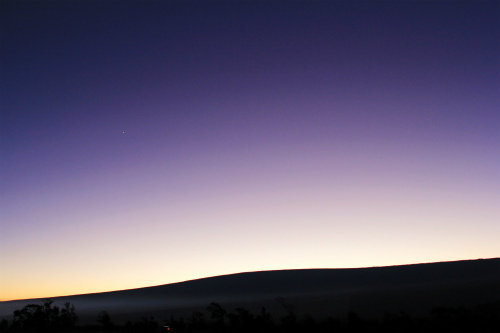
371,292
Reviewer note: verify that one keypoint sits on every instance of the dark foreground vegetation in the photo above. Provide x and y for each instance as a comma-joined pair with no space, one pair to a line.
46,317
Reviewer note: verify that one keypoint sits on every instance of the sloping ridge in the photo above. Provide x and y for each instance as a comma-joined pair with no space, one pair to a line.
370,291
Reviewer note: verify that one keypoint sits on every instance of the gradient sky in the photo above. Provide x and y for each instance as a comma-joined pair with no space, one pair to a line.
150,142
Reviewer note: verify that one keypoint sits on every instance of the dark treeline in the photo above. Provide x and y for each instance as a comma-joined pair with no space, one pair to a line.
48,318
43,317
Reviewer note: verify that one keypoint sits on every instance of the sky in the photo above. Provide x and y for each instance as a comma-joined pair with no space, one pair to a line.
151,142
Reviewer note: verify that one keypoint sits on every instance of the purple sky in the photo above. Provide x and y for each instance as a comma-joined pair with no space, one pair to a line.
150,142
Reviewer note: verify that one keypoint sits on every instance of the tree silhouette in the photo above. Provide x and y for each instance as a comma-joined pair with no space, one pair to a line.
44,317
264,319
197,321
4,325
289,321
217,314
105,320
68,317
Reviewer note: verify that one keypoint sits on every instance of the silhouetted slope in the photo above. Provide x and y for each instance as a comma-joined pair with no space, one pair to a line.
414,289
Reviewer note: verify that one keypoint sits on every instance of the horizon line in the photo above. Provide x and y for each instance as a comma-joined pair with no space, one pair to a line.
244,272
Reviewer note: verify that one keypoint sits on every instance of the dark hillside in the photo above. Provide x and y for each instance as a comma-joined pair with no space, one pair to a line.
371,292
